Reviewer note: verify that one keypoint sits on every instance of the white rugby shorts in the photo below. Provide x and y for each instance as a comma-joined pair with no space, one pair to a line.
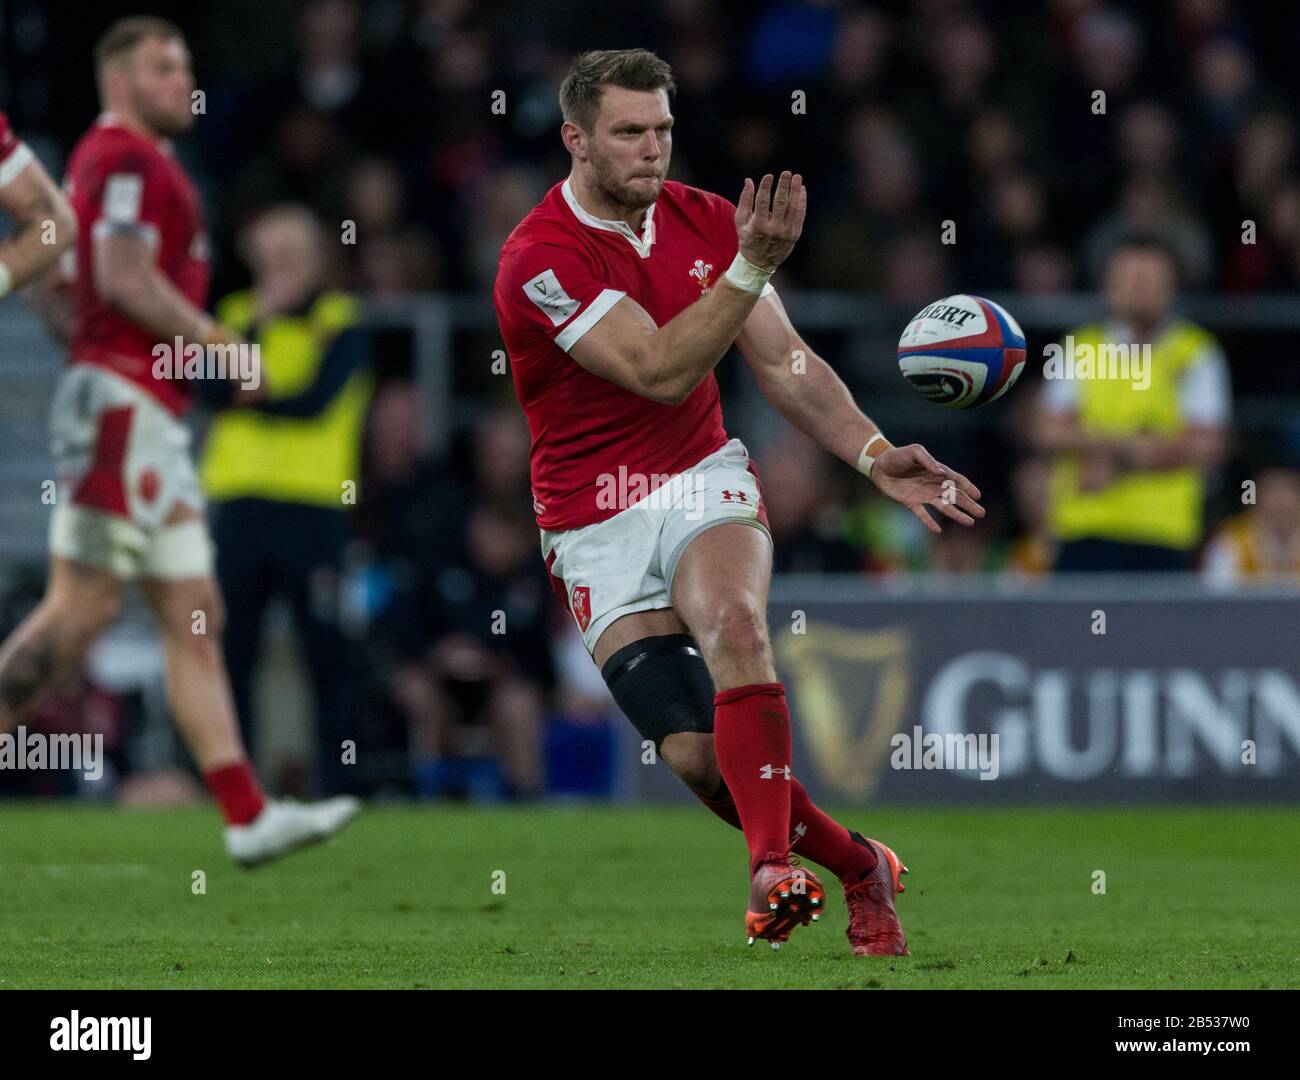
626,563
123,464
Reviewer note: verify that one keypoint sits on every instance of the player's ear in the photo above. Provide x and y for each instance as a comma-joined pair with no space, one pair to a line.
574,139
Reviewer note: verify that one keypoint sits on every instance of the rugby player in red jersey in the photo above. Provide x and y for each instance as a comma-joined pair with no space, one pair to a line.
617,296
128,507
44,220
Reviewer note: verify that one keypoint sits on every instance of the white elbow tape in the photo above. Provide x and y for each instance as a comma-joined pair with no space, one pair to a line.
6,279
867,459
745,275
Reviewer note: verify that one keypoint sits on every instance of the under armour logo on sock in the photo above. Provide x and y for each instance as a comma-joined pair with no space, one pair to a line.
769,771
799,830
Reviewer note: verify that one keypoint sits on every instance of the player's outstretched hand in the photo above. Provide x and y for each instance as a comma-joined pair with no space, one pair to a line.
769,222
910,475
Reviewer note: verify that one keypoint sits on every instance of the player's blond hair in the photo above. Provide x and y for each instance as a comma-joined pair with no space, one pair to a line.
124,35
591,72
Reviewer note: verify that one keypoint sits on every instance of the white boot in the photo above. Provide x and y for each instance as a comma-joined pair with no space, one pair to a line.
282,827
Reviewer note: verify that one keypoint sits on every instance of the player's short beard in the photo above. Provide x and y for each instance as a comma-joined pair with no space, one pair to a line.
166,125
623,195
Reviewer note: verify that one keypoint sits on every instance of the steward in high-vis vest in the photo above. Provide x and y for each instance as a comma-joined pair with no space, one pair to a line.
302,444
1134,414
282,475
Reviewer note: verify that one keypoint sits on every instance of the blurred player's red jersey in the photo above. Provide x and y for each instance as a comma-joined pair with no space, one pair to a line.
560,271
120,179
14,154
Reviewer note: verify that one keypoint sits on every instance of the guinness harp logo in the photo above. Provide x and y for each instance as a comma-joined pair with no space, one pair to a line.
850,690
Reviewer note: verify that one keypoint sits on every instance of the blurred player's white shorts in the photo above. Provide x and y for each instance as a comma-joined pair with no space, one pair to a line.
123,464
626,563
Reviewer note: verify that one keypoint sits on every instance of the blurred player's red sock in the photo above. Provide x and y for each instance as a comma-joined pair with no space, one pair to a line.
237,792
751,737
816,835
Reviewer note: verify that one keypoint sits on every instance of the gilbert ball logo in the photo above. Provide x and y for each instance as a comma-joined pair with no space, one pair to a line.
962,351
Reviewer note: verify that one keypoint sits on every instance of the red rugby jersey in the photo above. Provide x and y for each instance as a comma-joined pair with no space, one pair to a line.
559,272
14,154
121,179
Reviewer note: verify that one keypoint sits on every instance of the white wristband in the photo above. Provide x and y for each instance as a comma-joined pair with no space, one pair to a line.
745,275
866,459
6,279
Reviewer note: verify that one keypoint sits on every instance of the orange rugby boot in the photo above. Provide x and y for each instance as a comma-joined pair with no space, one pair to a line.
783,895
874,929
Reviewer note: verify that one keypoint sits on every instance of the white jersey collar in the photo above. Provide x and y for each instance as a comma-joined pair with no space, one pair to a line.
642,243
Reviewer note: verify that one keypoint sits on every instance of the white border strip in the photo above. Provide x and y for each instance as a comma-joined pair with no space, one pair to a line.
16,162
580,324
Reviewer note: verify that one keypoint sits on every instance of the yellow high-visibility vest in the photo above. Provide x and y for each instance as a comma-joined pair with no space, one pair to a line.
1163,507
249,454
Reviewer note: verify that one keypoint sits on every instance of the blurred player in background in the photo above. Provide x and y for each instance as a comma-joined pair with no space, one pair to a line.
128,504
617,296
45,223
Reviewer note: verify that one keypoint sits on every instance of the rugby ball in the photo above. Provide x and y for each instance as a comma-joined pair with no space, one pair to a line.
962,351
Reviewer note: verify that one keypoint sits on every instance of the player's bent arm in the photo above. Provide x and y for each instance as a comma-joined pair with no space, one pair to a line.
664,363
808,393
46,226
128,279
800,384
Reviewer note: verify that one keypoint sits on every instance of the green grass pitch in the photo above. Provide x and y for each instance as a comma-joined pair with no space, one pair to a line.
644,897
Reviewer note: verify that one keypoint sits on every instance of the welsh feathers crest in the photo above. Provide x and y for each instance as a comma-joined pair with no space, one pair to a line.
700,272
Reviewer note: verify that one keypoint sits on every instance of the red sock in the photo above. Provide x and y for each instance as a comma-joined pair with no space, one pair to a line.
237,792
821,838
751,737
814,835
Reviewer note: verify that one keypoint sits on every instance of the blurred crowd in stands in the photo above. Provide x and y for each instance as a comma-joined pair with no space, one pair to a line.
1045,132
1041,129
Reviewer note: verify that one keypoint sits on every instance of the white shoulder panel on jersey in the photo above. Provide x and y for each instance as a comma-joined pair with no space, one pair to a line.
15,163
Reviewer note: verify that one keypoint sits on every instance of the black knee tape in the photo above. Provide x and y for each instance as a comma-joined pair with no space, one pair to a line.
663,686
